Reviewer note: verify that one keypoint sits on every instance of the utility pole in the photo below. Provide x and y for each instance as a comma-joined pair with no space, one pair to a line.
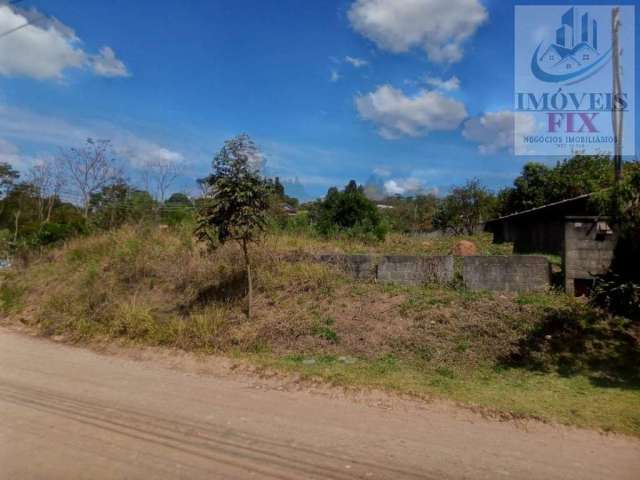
617,112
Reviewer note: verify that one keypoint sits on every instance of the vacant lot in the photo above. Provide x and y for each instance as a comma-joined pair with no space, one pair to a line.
543,355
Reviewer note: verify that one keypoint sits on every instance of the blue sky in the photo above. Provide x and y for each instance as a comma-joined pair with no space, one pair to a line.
330,90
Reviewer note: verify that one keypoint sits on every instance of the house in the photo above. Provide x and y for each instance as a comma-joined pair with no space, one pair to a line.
570,228
552,55
567,63
585,53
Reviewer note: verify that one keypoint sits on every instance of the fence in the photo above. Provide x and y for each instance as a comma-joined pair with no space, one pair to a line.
514,273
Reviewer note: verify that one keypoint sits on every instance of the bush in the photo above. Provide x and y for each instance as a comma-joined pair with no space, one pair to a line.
51,233
619,289
618,295
349,211
582,339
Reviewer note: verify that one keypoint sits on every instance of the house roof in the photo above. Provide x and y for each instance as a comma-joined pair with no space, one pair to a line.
541,208
561,51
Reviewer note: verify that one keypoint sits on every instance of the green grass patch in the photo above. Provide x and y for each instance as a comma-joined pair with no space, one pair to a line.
553,299
575,400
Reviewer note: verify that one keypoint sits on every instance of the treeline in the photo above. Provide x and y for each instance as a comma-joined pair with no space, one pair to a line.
83,189
465,208
80,190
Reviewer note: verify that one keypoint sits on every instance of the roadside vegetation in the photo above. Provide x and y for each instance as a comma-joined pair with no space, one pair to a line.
135,271
544,355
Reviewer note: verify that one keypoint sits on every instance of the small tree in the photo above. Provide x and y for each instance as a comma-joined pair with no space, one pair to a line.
237,201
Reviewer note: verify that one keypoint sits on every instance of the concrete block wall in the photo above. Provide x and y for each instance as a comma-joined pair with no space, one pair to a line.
498,273
588,250
362,267
415,270
514,273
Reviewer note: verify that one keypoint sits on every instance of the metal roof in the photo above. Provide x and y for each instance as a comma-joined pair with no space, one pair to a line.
548,205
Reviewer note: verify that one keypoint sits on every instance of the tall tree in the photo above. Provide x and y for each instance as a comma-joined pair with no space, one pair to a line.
158,176
539,184
48,179
8,176
236,202
410,214
90,168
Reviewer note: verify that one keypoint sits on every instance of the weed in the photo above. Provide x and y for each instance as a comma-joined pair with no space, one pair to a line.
385,364
547,300
424,353
11,296
445,372
134,321
463,346
322,329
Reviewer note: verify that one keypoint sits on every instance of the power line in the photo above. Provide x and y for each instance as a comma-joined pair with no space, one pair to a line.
29,22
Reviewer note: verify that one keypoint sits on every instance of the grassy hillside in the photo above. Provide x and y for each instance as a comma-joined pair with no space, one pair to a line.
156,286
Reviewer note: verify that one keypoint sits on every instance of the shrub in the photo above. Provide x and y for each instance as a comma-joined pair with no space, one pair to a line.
581,339
51,233
619,289
349,211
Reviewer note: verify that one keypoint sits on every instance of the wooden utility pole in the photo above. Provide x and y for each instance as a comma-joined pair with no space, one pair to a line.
617,112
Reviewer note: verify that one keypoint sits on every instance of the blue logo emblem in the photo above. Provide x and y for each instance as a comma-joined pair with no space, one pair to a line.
574,56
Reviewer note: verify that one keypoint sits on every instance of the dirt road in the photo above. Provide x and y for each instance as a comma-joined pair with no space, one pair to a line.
68,413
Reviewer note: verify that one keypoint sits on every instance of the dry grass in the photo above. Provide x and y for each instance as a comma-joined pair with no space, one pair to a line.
158,287
394,243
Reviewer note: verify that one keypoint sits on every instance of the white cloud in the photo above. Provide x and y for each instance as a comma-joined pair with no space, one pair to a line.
313,166
257,161
404,186
397,114
32,127
449,85
335,76
140,152
381,172
439,27
494,131
49,131
46,48
106,64
10,154
356,62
